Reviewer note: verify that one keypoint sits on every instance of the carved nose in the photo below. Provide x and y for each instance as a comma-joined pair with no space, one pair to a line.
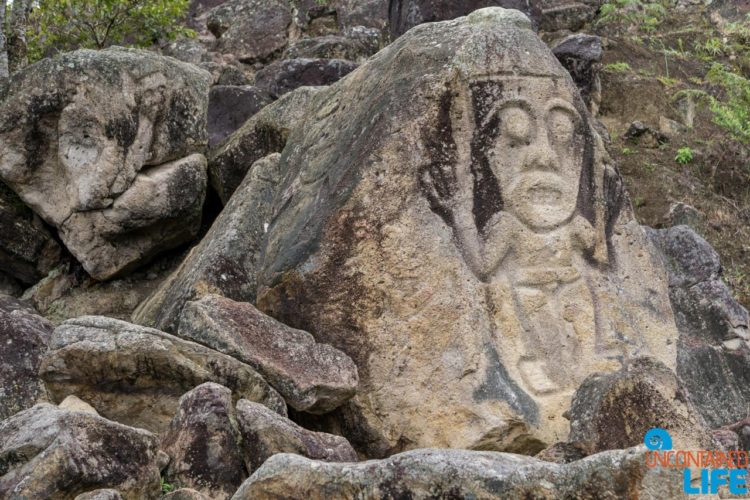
541,155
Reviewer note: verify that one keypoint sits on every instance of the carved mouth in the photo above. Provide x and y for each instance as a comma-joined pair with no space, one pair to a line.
545,195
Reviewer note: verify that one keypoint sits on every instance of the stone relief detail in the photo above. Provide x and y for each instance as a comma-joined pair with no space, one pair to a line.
512,175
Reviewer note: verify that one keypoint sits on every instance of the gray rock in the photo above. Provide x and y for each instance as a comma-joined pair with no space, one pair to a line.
265,133
185,494
106,147
581,54
406,14
330,47
615,410
226,260
189,50
203,443
23,341
103,494
425,474
265,433
567,14
251,30
284,76
715,373
229,107
314,378
46,452
136,375
366,13
232,75
9,286
27,250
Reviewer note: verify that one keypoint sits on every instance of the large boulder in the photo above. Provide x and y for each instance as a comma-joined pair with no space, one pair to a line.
251,30
229,107
450,219
265,433
311,377
46,452
426,474
284,76
581,55
405,14
263,134
204,443
713,353
27,250
106,147
23,341
225,261
136,375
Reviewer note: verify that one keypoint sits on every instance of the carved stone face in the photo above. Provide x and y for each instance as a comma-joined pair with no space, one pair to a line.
538,152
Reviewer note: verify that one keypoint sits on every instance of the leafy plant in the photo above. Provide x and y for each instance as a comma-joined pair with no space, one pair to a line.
684,156
734,113
166,487
618,67
63,25
642,15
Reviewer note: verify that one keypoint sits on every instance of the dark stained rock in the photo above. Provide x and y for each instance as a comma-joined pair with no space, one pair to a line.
226,260
567,14
581,54
229,107
265,133
423,474
713,355
367,13
232,75
331,47
27,250
314,378
265,433
136,375
284,76
406,14
46,452
251,30
203,443
615,410
23,341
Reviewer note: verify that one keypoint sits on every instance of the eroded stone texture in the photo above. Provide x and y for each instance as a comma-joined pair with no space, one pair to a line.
451,220
105,146
263,134
265,433
136,375
251,30
46,452
581,55
713,354
331,47
405,14
426,474
284,76
615,410
23,341
203,443
102,494
226,260
567,14
311,377
229,107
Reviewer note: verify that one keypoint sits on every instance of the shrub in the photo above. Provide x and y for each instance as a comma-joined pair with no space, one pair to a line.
684,156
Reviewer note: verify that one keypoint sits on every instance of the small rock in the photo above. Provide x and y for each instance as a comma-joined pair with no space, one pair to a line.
314,378
644,135
265,433
281,77
73,403
581,54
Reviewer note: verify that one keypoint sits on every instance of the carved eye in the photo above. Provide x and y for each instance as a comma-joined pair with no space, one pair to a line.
516,124
561,126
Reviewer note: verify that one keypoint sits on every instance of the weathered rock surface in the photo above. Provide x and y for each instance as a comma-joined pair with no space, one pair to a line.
185,494
265,433
102,494
105,146
23,341
27,250
263,134
567,14
581,54
615,410
450,219
405,14
226,260
311,377
74,403
252,30
330,47
367,13
229,107
203,443
136,375
424,474
46,452
284,76
713,354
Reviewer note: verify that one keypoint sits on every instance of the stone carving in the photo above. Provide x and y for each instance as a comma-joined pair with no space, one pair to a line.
518,197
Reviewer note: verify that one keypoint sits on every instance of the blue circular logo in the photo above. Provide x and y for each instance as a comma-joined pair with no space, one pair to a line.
658,439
